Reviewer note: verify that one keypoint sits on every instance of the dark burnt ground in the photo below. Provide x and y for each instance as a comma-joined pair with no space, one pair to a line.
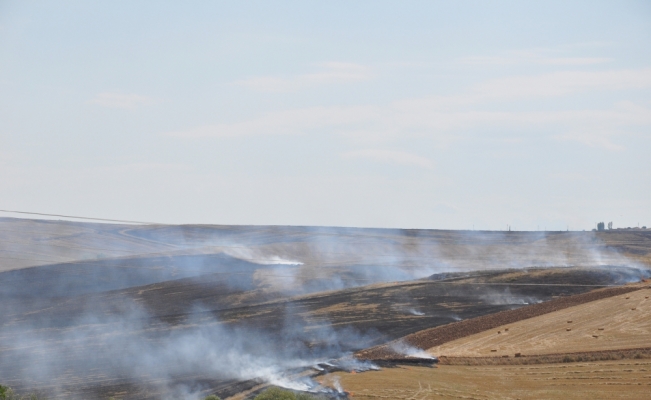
142,389
395,310
360,317
604,275
83,277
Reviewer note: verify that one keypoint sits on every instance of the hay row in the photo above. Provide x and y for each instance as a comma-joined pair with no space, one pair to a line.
439,335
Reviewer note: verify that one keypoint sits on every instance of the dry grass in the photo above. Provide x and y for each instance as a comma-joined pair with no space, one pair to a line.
588,380
619,322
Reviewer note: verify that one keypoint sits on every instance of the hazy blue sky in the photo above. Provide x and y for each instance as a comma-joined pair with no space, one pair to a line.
367,113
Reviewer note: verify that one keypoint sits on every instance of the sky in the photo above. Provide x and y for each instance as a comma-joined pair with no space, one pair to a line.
412,114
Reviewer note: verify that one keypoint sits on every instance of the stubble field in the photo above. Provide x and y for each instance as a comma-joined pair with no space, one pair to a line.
624,379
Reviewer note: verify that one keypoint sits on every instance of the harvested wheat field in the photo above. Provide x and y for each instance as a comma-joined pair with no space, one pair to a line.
618,322
611,327
438,336
627,379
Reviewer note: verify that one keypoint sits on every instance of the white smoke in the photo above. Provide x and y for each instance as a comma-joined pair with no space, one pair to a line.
133,346
300,260
257,256
404,349
335,382
505,297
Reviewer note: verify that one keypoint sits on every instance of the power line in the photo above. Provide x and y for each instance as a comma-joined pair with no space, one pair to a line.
287,226
86,218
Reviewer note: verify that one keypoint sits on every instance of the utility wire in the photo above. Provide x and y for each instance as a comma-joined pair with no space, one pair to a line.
86,218
388,235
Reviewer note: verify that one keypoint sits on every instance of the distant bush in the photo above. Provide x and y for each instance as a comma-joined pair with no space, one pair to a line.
276,394
281,394
212,397
7,393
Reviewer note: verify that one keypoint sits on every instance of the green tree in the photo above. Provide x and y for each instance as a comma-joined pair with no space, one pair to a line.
212,397
275,393
7,393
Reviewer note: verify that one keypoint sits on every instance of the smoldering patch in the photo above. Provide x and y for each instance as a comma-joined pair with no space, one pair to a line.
406,350
505,297
259,256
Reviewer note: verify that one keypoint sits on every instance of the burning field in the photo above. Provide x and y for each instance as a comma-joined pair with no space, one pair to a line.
92,311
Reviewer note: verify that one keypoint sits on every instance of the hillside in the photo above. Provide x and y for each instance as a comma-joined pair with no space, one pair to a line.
142,311
618,322
29,242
